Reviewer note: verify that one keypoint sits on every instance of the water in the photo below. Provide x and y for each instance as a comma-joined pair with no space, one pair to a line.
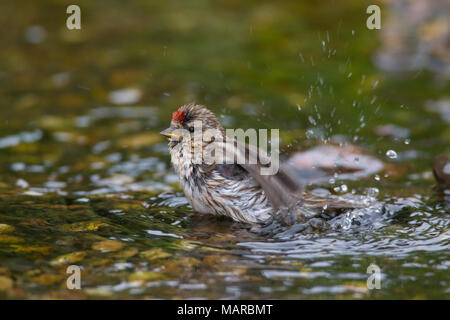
85,177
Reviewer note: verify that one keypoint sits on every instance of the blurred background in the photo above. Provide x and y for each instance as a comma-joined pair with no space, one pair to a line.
85,176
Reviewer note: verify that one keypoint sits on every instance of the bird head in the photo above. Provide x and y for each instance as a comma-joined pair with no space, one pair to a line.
191,120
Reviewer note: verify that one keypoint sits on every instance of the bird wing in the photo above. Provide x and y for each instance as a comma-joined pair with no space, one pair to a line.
281,189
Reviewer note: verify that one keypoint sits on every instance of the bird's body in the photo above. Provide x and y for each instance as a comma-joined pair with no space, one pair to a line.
241,199
234,190
221,189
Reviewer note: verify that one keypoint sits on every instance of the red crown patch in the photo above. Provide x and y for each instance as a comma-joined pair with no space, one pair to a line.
179,115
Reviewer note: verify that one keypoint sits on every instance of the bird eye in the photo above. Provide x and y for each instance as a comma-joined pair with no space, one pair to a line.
191,129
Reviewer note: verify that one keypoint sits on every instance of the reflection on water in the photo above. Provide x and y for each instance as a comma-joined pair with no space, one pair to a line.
85,177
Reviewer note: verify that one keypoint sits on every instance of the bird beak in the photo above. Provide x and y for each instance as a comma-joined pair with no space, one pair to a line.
169,132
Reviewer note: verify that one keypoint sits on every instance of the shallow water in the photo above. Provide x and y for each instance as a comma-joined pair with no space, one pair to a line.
85,177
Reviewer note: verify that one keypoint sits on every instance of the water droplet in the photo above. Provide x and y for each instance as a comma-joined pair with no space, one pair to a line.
391,154
377,177
372,192
375,84
374,98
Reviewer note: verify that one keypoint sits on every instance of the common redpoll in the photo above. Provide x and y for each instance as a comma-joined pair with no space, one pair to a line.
237,190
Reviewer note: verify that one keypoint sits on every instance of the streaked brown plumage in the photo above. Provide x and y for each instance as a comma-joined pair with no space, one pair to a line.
238,191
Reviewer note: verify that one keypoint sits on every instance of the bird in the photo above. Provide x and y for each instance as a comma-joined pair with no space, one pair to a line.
235,190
